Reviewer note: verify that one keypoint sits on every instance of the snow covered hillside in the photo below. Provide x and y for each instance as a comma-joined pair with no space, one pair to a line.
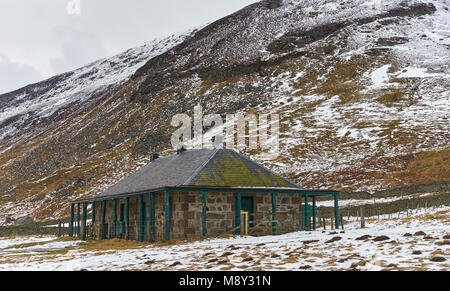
45,102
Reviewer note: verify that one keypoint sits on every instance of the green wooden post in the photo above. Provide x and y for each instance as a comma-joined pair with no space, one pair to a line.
152,217
141,217
314,212
72,216
84,220
274,213
93,213
167,207
78,219
204,214
103,219
114,230
336,211
238,213
127,217
306,212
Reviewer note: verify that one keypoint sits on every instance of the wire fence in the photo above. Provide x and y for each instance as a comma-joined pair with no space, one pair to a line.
259,223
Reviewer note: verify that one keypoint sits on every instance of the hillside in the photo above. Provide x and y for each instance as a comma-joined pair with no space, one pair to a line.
362,89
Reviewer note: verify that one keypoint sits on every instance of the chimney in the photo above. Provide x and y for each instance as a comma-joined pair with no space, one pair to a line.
154,156
181,150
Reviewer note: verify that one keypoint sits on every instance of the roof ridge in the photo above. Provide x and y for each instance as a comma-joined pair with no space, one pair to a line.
189,180
267,169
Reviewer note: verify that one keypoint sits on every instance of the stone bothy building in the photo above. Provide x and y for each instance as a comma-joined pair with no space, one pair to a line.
194,193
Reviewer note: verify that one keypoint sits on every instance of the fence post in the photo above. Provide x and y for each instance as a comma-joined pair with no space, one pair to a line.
59,229
363,223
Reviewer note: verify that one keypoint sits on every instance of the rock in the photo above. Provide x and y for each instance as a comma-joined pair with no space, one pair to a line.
213,260
261,244
306,267
391,41
364,237
226,254
358,264
392,266
149,262
9,219
416,252
25,219
438,259
332,232
336,238
310,241
407,234
420,233
446,236
443,243
381,238
247,259
38,198
273,4
428,237
275,256
175,264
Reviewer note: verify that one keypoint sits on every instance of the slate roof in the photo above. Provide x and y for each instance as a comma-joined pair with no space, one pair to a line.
200,167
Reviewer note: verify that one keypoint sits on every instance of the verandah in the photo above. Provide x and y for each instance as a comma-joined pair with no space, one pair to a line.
81,222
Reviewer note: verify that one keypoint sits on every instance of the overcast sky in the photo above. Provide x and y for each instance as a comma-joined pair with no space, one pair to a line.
42,38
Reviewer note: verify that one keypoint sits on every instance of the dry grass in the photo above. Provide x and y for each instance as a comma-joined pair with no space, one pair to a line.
112,244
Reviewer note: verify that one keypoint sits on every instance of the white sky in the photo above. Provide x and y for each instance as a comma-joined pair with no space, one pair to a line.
39,38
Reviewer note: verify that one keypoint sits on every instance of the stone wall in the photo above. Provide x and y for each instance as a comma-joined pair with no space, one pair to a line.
186,214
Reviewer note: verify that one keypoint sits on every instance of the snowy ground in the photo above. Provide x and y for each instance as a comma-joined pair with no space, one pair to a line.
319,250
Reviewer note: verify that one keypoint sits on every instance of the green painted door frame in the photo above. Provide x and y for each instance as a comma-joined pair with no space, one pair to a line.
247,205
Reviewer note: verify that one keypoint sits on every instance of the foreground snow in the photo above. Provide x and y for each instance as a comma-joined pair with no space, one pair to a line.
319,250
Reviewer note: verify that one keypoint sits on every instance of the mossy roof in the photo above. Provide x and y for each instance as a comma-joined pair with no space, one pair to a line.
200,167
